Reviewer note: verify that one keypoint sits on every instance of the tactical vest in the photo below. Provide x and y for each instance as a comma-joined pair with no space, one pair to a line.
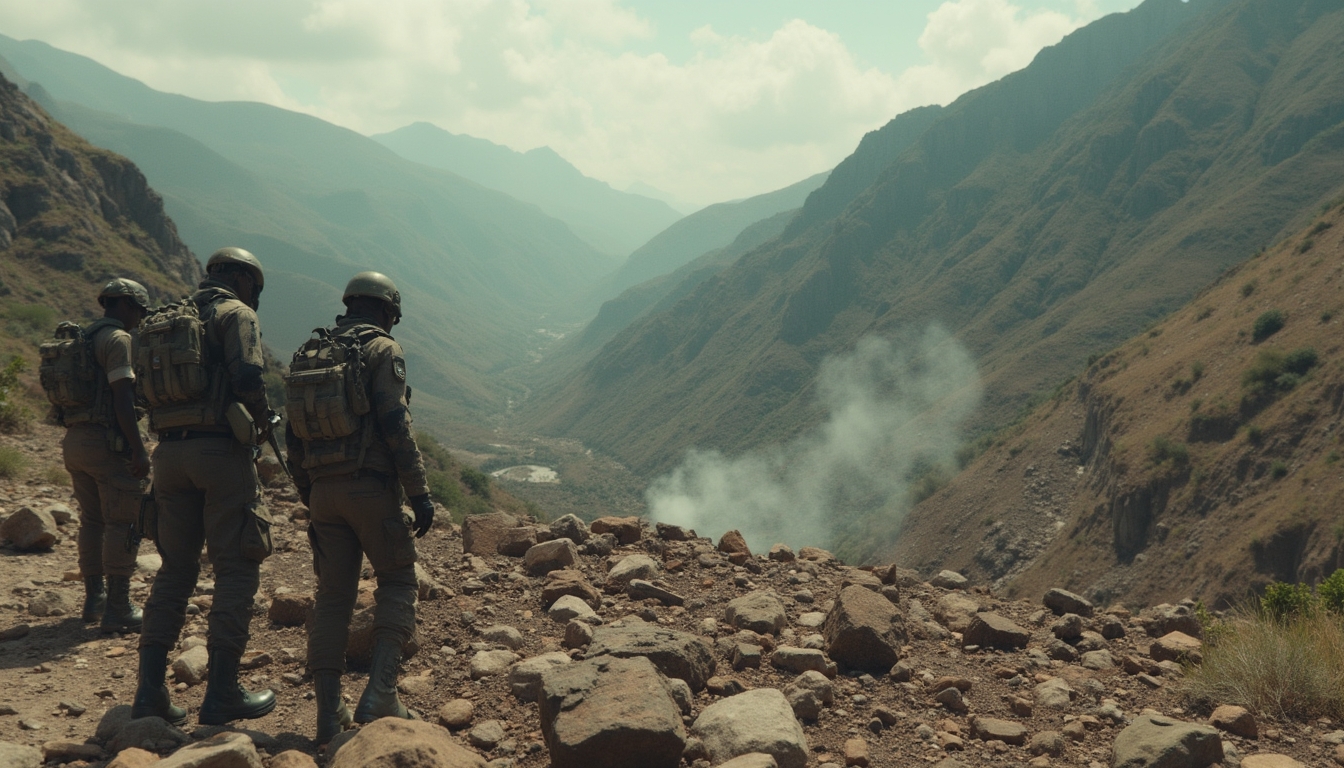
73,381
327,396
176,371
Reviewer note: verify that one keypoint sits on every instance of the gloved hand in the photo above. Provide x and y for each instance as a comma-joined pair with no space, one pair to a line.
424,514
305,494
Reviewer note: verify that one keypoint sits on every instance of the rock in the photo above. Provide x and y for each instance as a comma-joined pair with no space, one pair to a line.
223,750
190,666
864,631
30,530
990,630
481,534
952,699
70,751
19,756
994,729
61,513
486,734
675,654
753,760
1165,619
491,663
1054,693
640,589
514,542
292,758
1154,741
405,744
733,542
570,527
550,555
525,676
416,685
568,608
1235,720
1068,627
956,610
1339,754
816,682
856,752
746,656
134,757
502,634
359,646
1111,627
609,712
816,555
1098,660
1062,601
1178,647
112,721
668,532
153,734
781,553
291,609
681,693
806,705
1270,760
1047,743
1061,651
600,545
15,632
799,660
456,713
51,602
569,582
868,581
949,580
627,530
761,612
578,633
754,721
630,568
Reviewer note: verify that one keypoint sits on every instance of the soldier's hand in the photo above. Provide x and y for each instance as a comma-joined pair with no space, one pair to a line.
305,494
140,464
424,513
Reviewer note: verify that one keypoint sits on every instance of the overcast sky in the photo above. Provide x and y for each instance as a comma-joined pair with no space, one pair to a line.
708,100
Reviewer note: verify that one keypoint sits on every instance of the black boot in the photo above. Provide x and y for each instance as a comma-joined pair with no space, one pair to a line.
95,599
226,700
151,695
332,714
380,695
121,615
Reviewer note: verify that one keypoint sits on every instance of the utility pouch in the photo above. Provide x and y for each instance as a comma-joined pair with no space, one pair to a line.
148,525
256,539
240,421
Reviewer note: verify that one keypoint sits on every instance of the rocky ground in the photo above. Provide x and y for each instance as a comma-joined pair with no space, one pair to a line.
795,655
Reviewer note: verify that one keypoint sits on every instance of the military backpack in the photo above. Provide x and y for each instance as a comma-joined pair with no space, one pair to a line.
173,370
70,375
327,398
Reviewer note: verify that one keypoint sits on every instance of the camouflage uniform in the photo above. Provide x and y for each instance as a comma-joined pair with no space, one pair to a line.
356,508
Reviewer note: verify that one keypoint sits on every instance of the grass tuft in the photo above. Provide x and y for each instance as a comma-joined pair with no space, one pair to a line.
12,462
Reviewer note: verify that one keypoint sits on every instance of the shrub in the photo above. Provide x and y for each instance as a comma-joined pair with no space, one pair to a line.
1299,361
13,416
1278,469
34,318
1196,370
1247,289
476,481
1331,592
1164,448
55,474
1274,372
1255,433
1283,601
12,462
1267,324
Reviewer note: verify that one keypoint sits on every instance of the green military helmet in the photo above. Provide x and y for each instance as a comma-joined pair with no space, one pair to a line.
118,287
233,255
375,285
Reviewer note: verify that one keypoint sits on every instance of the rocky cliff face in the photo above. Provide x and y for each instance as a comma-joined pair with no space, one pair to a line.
73,216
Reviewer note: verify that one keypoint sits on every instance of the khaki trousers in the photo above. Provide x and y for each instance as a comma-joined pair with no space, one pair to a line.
207,491
351,518
109,501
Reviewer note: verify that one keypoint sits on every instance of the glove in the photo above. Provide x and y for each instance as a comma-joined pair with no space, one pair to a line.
424,514
304,495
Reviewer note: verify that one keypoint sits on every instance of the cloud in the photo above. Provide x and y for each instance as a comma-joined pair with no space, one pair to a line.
738,117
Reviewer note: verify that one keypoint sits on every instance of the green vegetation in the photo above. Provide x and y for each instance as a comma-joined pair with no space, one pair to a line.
13,416
1255,433
448,482
1267,325
1248,288
476,481
1164,449
1274,372
31,318
55,474
1278,469
1331,592
12,462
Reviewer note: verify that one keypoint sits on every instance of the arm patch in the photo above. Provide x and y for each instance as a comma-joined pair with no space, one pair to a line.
399,368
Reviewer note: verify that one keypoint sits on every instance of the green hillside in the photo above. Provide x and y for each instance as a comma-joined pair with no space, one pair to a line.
1041,218
611,221
316,202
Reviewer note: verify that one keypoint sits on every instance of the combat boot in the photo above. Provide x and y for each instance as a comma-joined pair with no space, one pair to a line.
120,615
225,700
380,695
332,714
151,694
95,599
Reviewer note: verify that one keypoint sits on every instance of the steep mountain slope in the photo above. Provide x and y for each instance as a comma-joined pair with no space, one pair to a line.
71,217
613,222
1039,218
316,202
707,229
1199,458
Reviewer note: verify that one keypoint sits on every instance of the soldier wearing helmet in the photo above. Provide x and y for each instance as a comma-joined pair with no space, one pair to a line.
107,461
208,494
353,487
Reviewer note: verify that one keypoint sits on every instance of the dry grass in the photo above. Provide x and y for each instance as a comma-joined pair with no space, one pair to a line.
1284,668
55,474
12,462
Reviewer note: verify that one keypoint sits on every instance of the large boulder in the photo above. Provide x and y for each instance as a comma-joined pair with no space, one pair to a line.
19,755
359,645
290,609
956,610
223,750
610,713
395,743
1062,601
990,630
761,612
514,542
1166,618
525,676
754,721
570,527
569,582
550,556
482,534
1154,741
30,530
152,734
630,568
675,654
1176,646
864,630
627,530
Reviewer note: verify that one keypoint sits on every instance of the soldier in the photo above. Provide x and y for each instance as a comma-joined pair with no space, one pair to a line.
205,482
353,485
108,462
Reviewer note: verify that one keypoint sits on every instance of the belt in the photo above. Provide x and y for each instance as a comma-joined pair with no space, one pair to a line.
189,434
359,474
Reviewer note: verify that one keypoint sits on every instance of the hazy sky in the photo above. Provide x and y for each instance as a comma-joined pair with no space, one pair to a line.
707,99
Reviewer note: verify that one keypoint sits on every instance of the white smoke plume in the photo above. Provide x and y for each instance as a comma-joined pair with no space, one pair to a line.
893,409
